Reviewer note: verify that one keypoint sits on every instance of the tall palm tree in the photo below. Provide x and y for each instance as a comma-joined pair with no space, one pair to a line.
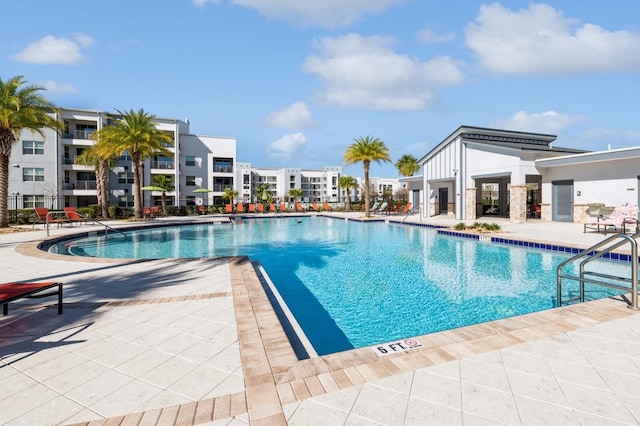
366,149
102,165
21,108
263,193
135,133
229,194
166,183
407,165
347,183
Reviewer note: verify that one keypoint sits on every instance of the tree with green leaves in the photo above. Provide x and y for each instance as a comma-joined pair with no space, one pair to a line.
101,165
347,183
229,194
407,165
366,149
263,193
166,183
295,193
22,107
136,133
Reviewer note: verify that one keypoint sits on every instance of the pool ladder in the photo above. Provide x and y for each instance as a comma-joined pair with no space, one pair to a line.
606,246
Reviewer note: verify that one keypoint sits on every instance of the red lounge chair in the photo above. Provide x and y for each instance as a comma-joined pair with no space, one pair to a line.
272,208
155,211
202,209
146,212
326,206
315,207
73,216
228,208
14,291
240,208
260,208
252,208
283,207
299,207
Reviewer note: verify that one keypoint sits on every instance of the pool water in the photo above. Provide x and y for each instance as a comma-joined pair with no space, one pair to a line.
352,284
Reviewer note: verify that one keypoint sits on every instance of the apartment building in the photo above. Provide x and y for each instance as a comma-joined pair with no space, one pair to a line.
44,172
317,186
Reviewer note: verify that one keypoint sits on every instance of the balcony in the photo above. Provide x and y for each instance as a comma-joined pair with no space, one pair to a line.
162,165
79,134
80,185
222,169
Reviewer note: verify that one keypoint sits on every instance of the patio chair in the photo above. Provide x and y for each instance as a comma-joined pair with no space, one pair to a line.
623,216
10,292
74,217
260,208
228,208
272,208
240,208
252,208
315,207
326,207
283,207
299,207
41,217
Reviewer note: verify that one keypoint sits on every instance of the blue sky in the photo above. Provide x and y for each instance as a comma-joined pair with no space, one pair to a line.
297,81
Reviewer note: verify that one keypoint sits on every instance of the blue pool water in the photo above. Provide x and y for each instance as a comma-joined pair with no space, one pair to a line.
352,284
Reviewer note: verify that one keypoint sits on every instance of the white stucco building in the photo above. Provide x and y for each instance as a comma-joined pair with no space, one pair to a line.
476,172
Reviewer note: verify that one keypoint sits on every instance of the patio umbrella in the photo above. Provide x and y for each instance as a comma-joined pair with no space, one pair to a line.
202,190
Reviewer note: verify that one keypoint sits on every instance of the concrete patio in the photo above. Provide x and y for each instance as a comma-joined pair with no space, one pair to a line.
196,342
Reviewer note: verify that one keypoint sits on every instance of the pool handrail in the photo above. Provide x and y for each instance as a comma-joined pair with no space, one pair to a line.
590,255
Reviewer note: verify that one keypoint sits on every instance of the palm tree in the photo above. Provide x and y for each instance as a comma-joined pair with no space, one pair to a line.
21,108
366,150
295,194
166,183
102,165
136,134
407,165
229,194
263,192
346,183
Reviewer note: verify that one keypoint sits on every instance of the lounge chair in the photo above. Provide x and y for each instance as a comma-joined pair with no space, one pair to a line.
623,216
326,207
228,208
202,209
315,207
272,208
252,208
299,207
10,292
240,208
374,207
283,207
146,212
382,208
74,217
41,217
260,208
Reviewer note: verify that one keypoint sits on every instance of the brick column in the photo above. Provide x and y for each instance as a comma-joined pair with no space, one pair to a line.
518,204
470,204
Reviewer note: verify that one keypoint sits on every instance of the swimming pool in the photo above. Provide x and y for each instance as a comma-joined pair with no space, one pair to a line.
351,284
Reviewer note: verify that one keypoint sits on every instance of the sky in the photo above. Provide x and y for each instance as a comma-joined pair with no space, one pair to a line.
295,82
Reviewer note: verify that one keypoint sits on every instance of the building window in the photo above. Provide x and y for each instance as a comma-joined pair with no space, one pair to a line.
32,201
190,160
191,200
124,177
33,174
125,201
33,147
191,180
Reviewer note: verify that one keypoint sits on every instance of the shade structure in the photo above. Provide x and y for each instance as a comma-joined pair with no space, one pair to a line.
153,188
202,190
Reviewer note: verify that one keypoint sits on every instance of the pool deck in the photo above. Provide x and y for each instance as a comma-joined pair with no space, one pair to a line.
181,342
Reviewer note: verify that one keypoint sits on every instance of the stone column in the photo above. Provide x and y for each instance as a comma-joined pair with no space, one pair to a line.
470,204
518,204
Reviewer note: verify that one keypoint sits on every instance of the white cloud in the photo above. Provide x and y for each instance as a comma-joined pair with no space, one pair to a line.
52,50
56,88
540,40
364,72
545,122
296,116
286,146
322,13
428,36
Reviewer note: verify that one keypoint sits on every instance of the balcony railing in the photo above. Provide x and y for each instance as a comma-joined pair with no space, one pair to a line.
223,169
80,185
79,134
164,165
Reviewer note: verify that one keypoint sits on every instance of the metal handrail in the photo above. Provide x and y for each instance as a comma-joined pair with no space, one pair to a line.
590,254
61,212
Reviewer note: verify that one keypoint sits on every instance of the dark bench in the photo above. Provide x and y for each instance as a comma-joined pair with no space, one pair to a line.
14,291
